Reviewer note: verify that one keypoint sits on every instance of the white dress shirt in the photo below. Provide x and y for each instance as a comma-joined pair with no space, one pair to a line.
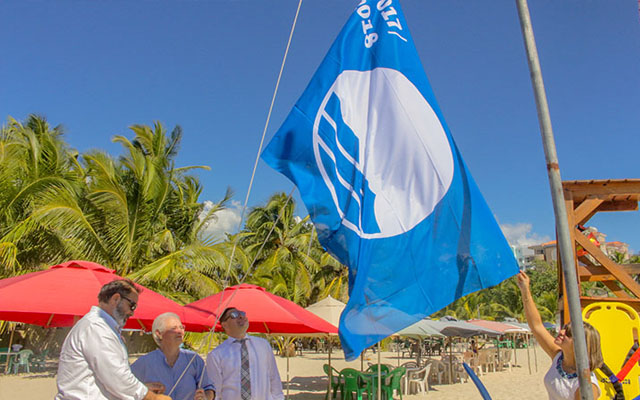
223,367
94,363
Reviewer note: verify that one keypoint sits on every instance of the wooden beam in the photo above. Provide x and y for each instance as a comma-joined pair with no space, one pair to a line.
616,270
618,205
615,289
598,270
604,187
586,210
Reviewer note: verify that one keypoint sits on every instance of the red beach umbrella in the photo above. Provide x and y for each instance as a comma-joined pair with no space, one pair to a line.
267,313
62,294
502,327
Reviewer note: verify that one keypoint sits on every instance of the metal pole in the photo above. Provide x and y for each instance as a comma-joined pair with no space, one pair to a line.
528,355
535,354
450,360
562,226
379,374
330,369
286,350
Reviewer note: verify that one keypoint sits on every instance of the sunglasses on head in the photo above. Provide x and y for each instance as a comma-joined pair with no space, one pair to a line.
567,329
235,314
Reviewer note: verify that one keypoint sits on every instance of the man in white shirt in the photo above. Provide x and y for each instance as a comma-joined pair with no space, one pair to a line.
243,367
94,363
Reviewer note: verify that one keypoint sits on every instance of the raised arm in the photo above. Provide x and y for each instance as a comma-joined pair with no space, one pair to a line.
541,334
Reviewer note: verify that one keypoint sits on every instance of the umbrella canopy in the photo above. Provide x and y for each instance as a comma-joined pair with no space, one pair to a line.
420,329
60,295
267,313
329,309
502,327
452,327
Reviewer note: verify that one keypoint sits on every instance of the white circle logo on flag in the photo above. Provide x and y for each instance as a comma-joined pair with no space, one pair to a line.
382,152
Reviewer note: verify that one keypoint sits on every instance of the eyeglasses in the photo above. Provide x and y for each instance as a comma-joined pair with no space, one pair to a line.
132,304
235,314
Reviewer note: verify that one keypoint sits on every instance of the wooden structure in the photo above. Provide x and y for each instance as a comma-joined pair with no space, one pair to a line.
583,200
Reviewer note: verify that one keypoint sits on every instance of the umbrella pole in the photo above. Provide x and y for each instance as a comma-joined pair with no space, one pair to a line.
287,352
498,353
362,360
398,347
330,369
419,352
450,361
6,367
535,355
515,354
528,356
379,375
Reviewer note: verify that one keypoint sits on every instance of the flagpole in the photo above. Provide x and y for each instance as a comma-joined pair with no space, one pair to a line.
555,182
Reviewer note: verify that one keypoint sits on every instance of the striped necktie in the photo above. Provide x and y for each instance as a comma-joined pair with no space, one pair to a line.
245,374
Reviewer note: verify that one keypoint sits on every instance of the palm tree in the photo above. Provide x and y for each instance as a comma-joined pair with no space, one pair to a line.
288,259
137,214
34,160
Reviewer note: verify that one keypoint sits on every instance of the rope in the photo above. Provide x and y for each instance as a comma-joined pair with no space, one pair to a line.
246,200
264,132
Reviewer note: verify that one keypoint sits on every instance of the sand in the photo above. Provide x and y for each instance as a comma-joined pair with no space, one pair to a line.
307,380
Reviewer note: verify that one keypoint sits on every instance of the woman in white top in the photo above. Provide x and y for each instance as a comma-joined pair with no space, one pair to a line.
561,381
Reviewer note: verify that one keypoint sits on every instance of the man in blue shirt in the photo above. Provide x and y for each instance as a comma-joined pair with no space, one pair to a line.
165,366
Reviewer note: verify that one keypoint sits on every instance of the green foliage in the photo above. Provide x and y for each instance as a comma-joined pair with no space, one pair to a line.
503,300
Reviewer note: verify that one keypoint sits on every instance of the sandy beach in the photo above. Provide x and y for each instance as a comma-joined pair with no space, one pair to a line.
307,381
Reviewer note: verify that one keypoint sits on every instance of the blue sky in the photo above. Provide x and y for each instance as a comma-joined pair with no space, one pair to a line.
211,66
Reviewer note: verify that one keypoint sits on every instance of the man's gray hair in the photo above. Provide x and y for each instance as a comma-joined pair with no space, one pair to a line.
159,324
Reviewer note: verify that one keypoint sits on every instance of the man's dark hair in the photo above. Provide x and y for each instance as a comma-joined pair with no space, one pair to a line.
122,286
226,311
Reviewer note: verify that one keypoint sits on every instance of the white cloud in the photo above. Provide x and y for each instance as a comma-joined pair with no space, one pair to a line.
521,234
225,221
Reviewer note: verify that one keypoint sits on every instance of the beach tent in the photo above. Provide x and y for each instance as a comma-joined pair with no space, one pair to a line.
62,294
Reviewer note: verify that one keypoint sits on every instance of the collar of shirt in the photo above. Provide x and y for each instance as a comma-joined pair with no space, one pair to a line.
108,319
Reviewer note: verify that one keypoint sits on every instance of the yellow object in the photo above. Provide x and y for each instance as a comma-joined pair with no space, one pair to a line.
618,325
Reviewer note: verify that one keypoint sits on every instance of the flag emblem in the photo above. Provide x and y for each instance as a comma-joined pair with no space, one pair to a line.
365,120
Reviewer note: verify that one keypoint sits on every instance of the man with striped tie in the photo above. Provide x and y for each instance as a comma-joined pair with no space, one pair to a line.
243,367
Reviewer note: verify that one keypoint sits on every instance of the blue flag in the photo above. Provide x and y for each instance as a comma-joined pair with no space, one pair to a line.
384,182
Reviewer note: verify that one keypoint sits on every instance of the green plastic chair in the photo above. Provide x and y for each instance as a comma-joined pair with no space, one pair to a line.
3,355
336,382
22,360
395,383
38,362
354,381
373,368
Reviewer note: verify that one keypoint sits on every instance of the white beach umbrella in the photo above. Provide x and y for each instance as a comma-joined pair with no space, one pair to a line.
328,309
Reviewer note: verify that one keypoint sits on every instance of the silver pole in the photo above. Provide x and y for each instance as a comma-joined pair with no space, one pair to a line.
560,211
379,374
330,369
